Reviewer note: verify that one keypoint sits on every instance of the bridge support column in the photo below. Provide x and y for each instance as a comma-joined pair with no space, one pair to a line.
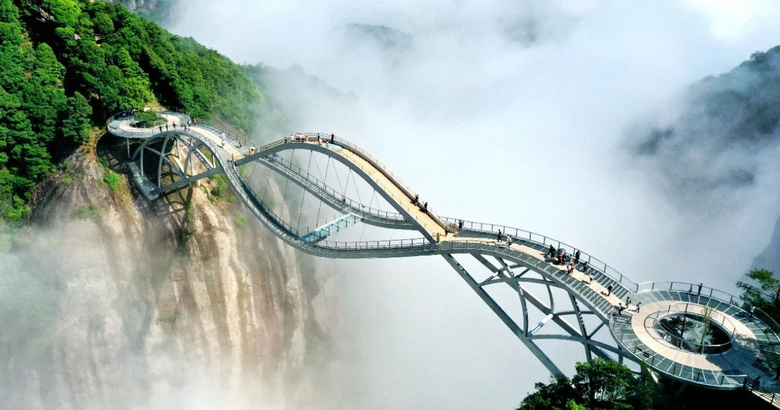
503,315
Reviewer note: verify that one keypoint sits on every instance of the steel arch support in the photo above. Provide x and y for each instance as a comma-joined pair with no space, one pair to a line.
357,170
503,315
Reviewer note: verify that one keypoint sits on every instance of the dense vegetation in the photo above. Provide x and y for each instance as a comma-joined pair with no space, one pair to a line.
600,384
68,64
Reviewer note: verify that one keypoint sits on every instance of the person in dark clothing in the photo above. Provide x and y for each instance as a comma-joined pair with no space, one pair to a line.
331,138
609,290
577,257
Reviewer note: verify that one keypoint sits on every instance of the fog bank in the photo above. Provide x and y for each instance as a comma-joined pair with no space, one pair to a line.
517,113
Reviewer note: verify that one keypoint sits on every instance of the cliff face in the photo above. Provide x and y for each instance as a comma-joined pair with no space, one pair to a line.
174,303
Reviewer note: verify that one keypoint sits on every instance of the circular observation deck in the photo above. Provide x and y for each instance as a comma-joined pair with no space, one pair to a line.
696,336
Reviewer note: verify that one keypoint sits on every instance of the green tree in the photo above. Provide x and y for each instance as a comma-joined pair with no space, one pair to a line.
604,384
600,384
754,294
65,12
76,120
555,395
103,23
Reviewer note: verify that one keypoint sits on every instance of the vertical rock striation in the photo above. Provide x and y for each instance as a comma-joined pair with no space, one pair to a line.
169,304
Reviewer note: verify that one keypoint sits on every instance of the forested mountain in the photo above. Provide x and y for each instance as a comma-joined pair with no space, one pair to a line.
67,64
710,141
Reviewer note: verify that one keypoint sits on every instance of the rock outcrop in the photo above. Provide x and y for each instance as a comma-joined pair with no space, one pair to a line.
180,303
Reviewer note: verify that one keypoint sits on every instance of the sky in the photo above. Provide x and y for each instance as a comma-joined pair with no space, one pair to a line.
510,112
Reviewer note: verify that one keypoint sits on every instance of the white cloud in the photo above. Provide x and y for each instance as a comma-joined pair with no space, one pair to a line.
522,133
734,20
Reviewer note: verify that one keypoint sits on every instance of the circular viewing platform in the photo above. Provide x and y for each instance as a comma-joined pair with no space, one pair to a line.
695,337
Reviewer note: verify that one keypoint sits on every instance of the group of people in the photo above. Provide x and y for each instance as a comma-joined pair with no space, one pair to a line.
560,257
184,126
620,308
301,137
423,206
298,137
500,237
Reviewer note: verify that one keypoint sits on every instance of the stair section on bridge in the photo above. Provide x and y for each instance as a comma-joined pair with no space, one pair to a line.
326,230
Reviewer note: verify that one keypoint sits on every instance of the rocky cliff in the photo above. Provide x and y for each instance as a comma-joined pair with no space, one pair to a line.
179,303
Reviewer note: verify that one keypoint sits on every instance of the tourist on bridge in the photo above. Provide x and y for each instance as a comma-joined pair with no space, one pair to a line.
426,207
577,257
498,237
331,138
416,199
756,383
551,252
570,268
751,311
166,127
591,278
161,128
638,304
584,266
628,301
460,225
609,290
508,240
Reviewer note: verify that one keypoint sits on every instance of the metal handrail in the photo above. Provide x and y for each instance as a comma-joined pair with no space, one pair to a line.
683,308
649,356
147,131
712,293
378,165
539,239
753,385
331,191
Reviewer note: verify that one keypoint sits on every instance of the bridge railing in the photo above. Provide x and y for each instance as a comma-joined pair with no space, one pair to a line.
332,192
378,165
545,241
676,369
682,343
140,132
706,291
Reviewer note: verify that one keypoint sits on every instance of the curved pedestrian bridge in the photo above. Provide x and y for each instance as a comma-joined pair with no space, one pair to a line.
656,328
